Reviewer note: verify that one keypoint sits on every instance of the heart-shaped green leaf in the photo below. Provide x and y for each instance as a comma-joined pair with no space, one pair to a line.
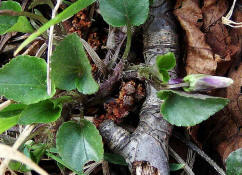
13,23
79,143
42,112
124,12
71,68
23,80
234,163
183,109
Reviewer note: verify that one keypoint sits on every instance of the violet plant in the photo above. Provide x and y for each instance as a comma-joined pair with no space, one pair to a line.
72,71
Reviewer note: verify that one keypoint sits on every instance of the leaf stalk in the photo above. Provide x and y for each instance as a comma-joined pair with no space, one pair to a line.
27,14
128,43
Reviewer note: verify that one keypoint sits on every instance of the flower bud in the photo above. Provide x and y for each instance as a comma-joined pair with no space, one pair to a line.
202,82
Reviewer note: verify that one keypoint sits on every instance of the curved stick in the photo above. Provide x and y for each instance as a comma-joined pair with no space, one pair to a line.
146,150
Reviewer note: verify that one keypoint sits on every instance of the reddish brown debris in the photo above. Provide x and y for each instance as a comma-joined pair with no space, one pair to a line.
82,25
130,93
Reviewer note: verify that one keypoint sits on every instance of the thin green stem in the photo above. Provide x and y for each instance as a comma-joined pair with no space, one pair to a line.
128,43
27,14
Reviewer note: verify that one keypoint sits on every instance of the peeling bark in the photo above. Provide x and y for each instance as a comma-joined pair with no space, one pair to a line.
146,149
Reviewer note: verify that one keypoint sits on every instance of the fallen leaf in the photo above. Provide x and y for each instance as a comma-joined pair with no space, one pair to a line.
200,58
217,35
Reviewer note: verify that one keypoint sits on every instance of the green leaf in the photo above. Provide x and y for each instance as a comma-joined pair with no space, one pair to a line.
6,123
22,25
59,160
124,12
183,109
234,163
164,76
115,159
23,80
68,12
79,143
71,68
37,151
13,23
19,167
12,110
176,166
9,116
166,61
42,112
31,150
163,64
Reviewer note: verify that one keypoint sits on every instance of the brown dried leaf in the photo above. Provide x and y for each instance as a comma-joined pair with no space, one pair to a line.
200,58
217,35
232,132
234,94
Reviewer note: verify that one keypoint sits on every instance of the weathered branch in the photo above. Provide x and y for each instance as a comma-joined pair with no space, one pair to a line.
146,149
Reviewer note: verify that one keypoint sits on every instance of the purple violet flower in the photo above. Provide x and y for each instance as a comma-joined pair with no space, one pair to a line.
202,82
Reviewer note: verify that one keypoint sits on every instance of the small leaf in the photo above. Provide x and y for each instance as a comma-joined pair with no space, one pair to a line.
13,23
124,12
166,61
23,80
65,14
22,25
183,109
234,163
79,143
6,123
42,112
31,150
164,76
176,166
20,167
163,64
12,110
37,151
71,68
115,159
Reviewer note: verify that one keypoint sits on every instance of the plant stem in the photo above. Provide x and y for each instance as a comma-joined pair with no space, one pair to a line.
50,44
27,14
128,43
5,104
